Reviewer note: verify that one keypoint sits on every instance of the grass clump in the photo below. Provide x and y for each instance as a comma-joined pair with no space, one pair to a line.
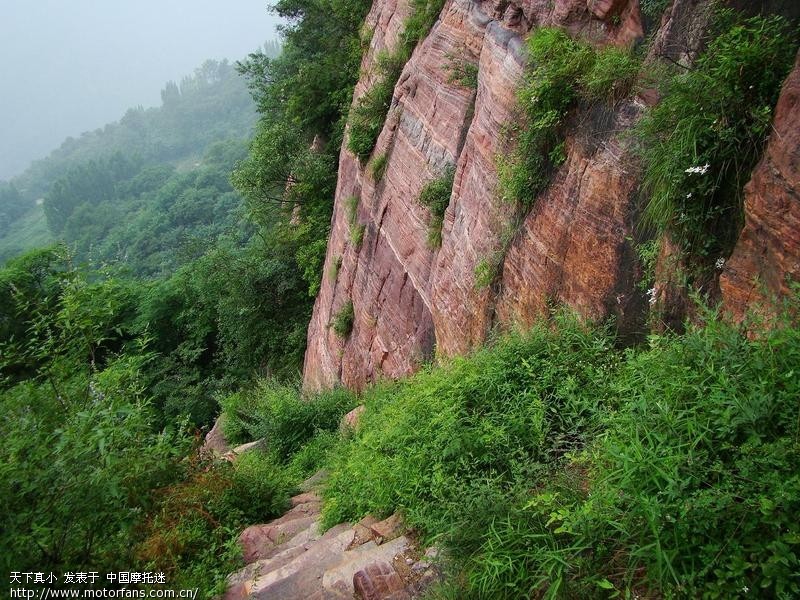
378,166
700,144
436,196
552,465
278,413
357,235
561,72
356,229
461,72
342,322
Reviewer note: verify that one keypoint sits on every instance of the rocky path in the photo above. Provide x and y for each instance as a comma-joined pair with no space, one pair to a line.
291,559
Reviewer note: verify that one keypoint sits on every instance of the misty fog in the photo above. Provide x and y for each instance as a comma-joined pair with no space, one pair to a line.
70,67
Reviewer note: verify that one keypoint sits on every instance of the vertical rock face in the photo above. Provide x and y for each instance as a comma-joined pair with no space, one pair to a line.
572,248
767,255
411,300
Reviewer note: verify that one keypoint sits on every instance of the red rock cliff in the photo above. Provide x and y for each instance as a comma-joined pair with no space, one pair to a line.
573,248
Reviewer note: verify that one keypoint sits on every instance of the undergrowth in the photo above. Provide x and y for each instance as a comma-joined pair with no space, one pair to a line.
552,465
191,532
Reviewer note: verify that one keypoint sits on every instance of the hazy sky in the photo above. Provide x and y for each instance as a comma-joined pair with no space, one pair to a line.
69,66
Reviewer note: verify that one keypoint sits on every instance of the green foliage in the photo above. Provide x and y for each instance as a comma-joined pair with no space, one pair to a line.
80,452
12,205
461,71
192,529
436,196
700,143
278,413
653,9
210,105
342,322
357,235
334,272
378,166
423,15
448,436
369,113
551,465
562,71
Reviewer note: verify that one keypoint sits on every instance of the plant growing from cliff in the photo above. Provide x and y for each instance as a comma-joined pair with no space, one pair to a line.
335,268
342,322
562,71
701,142
436,196
369,112
461,71
377,166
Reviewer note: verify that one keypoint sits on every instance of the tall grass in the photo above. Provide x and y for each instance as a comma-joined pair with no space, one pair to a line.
552,465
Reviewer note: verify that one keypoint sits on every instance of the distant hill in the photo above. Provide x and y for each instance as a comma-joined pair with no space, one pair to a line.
211,105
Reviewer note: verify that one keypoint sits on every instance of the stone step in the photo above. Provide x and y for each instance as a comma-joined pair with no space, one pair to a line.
340,577
302,576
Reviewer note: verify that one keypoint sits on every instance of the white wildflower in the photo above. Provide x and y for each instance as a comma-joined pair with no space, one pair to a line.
698,170
745,589
720,263
689,195
651,294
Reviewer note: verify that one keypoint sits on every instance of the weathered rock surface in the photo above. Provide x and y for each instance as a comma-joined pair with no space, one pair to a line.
767,255
573,248
290,559
215,443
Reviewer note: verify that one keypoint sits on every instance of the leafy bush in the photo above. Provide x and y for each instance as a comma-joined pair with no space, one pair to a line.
431,444
367,117
278,413
461,71
191,534
700,143
436,196
561,72
342,322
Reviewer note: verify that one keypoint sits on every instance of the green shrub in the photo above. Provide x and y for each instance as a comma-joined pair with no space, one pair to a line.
423,15
378,166
561,72
429,445
342,322
436,196
653,9
192,531
700,143
279,413
461,71
367,117
551,465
